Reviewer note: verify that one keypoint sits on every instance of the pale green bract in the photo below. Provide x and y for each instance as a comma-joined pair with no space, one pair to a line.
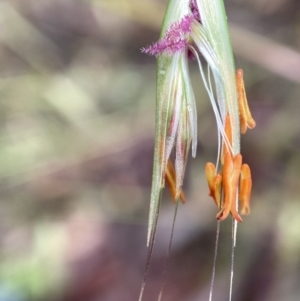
176,116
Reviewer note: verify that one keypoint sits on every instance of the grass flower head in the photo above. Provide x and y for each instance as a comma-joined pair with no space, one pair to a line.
198,27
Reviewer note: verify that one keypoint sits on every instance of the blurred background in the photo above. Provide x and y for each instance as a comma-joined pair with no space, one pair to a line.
77,109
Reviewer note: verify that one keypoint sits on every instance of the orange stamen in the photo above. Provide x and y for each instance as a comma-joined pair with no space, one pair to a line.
231,174
237,164
171,181
245,189
214,182
228,132
246,119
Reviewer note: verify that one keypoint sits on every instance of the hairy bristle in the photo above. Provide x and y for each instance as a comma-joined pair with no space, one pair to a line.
176,38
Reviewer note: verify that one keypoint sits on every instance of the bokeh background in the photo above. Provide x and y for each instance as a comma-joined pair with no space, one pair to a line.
77,104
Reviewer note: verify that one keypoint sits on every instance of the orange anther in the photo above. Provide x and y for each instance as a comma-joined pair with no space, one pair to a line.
217,183
234,182
246,120
231,175
228,132
171,181
214,182
245,189
228,129
210,172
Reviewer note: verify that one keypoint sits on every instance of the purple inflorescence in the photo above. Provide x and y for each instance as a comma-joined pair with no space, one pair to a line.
175,39
195,10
